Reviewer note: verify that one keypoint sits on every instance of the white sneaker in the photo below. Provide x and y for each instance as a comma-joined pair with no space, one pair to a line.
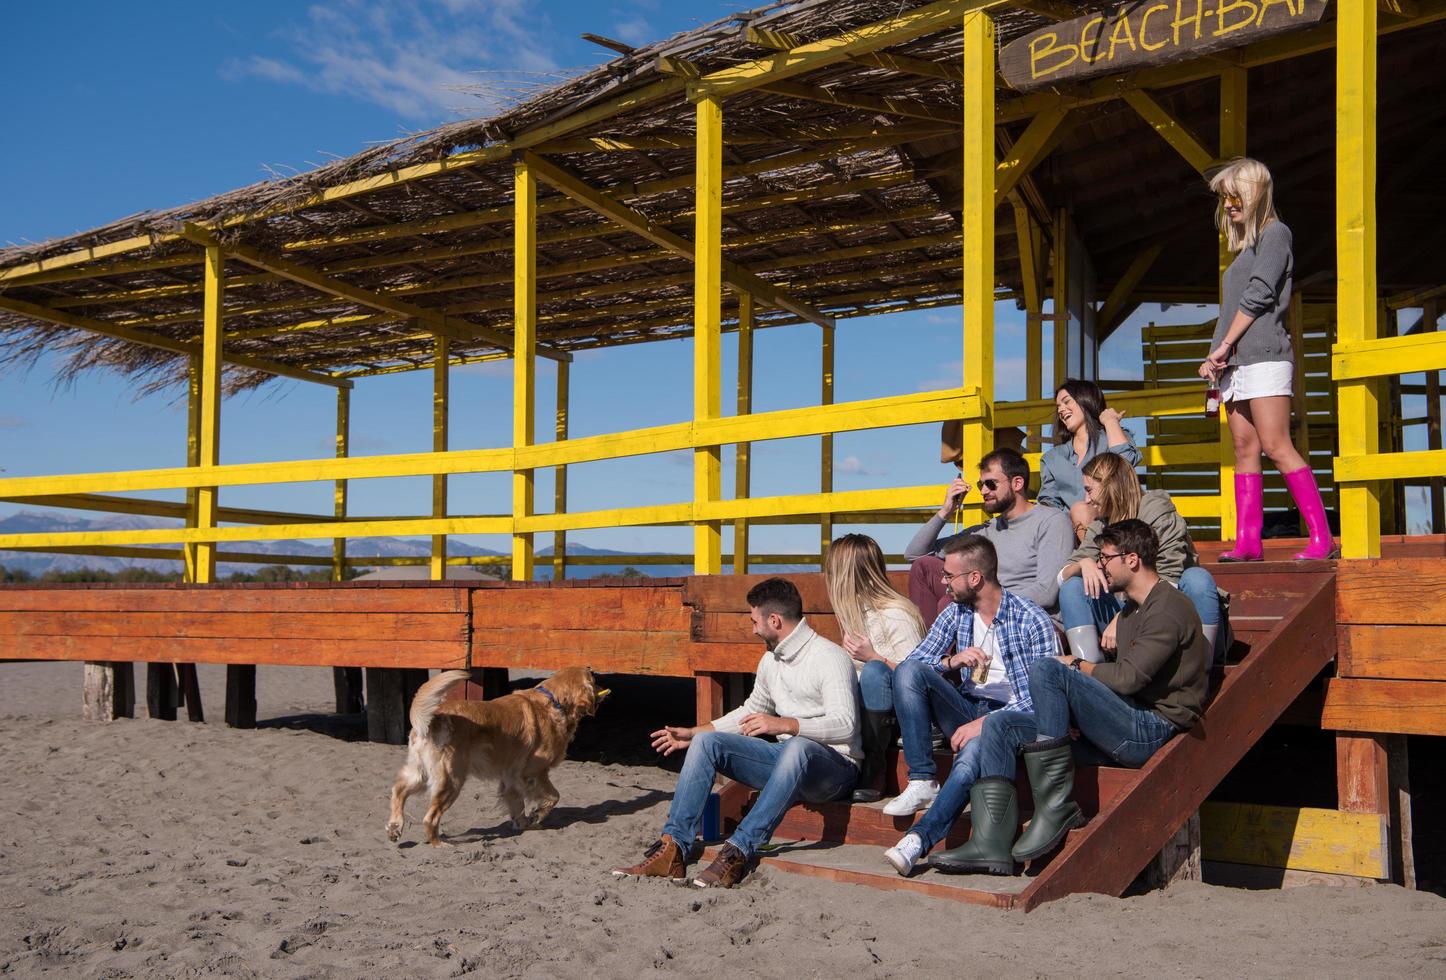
915,797
905,854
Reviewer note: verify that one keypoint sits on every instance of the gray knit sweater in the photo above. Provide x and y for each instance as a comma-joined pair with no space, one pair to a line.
1258,283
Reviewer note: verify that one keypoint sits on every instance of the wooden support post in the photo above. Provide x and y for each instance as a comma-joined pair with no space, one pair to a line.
110,691
241,695
524,356
707,326
209,415
495,682
188,692
347,682
1233,104
1178,860
825,454
977,221
1357,406
161,692
441,398
389,699
711,688
1388,390
742,477
1028,238
1372,776
1430,315
559,489
1059,274
188,684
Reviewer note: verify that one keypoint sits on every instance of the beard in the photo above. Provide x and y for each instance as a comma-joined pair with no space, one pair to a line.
1003,500
966,596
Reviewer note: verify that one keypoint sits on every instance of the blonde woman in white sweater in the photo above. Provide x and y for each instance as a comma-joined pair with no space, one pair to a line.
880,627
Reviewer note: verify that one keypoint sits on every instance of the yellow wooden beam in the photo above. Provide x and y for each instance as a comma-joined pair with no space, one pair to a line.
708,276
524,363
978,178
1117,305
339,488
1171,130
208,434
441,403
44,313
825,455
913,24
1059,295
1388,356
1028,238
742,475
1034,144
276,532
1297,838
1371,467
1356,291
645,227
190,511
1233,107
559,487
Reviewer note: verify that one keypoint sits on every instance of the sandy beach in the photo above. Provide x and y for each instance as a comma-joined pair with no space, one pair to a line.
142,848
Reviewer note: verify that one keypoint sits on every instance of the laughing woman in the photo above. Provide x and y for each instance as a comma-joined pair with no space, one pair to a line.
1085,427
880,627
1252,361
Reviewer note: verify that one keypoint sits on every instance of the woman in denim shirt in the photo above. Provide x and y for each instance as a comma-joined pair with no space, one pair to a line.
1086,427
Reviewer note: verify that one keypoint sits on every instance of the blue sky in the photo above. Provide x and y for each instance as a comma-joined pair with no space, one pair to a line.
118,108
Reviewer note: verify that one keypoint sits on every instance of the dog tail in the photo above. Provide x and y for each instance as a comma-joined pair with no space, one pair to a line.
431,695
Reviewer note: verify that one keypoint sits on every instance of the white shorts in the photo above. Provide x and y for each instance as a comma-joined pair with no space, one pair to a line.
1263,380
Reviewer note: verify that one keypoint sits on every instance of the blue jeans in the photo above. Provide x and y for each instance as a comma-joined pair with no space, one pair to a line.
922,695
934,825
784,772
1114,730
876,685
1078,609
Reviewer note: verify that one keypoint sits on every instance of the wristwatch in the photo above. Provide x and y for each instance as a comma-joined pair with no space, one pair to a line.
1074,663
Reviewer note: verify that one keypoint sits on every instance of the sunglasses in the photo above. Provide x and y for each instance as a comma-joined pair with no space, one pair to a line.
988,484
1230,200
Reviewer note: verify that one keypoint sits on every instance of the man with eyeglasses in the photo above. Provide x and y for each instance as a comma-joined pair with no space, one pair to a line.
1124,709
992,637
1033,542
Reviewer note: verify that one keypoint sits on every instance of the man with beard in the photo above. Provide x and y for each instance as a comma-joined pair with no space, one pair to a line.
992,637
1033,542
796,738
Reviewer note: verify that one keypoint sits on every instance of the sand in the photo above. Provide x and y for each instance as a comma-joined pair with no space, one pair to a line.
143,848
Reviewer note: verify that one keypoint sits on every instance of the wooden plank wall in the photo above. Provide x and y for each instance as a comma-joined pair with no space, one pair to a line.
324,627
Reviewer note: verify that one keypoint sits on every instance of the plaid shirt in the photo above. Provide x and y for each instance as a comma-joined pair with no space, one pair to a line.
1025,633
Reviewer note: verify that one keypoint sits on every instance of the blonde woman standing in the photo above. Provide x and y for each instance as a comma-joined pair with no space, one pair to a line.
880,627
1252,360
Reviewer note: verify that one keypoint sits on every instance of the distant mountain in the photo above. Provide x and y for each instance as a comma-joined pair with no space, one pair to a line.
44,521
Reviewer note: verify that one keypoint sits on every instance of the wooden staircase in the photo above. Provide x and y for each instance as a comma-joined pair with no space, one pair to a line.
1283,616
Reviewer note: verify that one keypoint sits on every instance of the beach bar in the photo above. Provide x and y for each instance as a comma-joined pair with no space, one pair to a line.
786,168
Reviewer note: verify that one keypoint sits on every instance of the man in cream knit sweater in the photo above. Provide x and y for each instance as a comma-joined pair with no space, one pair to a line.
805,698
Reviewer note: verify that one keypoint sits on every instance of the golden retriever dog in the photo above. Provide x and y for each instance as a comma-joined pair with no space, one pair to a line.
514,740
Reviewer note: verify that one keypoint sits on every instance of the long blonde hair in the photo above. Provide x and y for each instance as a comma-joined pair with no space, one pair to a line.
1119,488
858,581
1250,181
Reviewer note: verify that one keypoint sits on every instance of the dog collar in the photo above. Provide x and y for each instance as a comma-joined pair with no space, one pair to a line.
550,696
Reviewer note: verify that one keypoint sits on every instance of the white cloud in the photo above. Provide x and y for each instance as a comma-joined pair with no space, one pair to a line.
854,466
635,31
418,59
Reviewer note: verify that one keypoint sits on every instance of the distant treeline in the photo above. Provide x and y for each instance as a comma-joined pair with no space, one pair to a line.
271,573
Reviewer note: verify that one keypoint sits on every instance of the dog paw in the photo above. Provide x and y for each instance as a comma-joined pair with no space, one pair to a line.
394,832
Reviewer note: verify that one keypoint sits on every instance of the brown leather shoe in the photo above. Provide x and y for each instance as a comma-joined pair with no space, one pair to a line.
727,869
663,859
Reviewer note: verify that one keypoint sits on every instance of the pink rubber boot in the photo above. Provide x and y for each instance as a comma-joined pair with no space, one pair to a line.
1249,518
1301,484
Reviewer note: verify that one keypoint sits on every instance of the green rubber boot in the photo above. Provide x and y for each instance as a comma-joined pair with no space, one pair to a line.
1051,781
994,813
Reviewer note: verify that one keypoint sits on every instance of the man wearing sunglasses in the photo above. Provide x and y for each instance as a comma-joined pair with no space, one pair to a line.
1124,709
1033,542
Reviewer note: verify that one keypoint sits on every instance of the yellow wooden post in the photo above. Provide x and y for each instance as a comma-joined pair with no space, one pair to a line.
193,453
825,458
524,357
339,488
742,482
1232,144
441,398
1357,409
1059,254
559,490
209,434
707,326
1026,233
978,231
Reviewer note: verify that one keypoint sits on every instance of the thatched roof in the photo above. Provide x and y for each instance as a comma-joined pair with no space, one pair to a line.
848,202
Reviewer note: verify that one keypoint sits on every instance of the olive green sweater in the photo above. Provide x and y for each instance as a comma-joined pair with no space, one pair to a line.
1177,551
1162,659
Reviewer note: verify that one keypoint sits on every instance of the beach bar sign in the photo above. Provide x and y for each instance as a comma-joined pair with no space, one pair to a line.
1148,32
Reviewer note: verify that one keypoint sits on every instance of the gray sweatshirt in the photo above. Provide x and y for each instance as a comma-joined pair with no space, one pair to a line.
1032,550
1177,551
1258,283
